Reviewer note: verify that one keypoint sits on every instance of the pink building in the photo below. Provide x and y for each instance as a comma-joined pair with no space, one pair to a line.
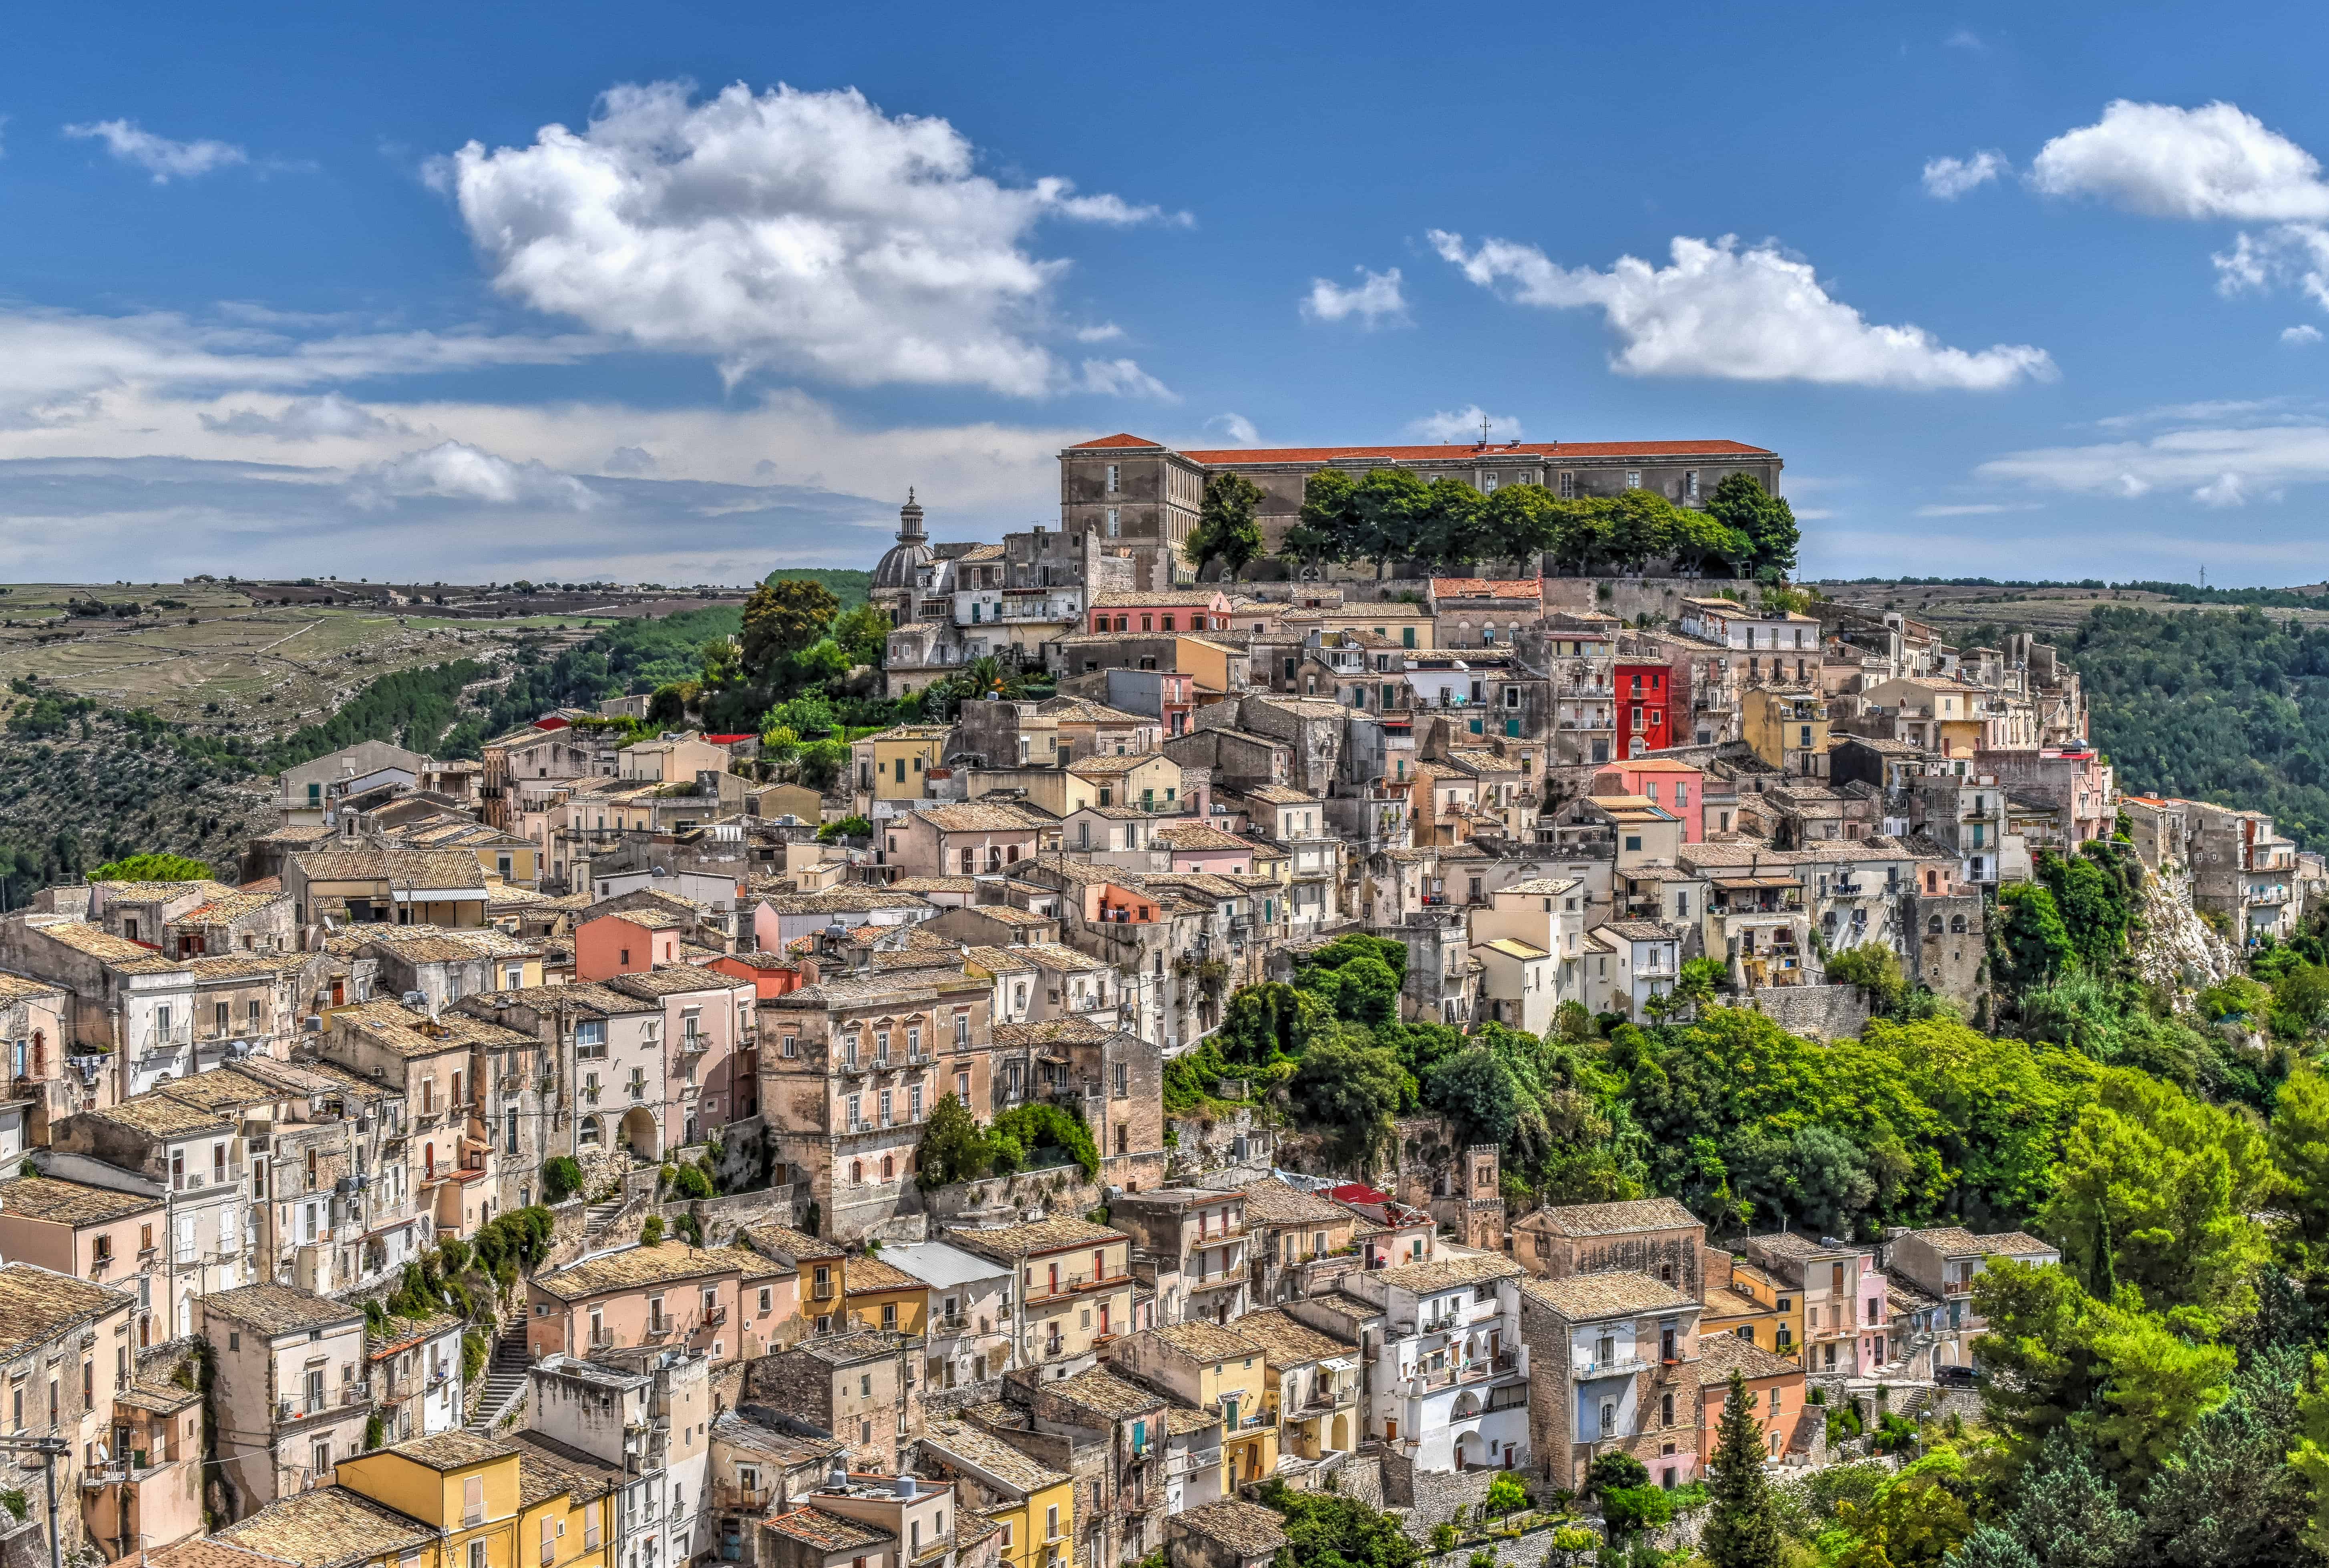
1177,609
1204,847
709,1071
1673,787
627,943
671,1294
91,1233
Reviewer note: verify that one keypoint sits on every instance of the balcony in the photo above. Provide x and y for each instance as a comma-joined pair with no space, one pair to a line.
1616,1366
742,1498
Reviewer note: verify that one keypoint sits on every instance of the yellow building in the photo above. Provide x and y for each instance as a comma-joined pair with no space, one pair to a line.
455,1500
1210,663
879,1295
1405,626
1743,1301
1075,1285
1149,781
1220,1370
1034,1505
1786,729
891,764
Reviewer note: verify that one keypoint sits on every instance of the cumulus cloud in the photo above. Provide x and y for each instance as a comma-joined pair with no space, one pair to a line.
2216,466
807,231
2214,162
1374,300
2300,336
1751,314
2290,253
305,420
159,156
455,470
1464,425
1122,378
1946,179
630,460
1237,428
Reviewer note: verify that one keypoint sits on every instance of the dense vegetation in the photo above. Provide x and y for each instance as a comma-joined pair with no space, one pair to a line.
1388,514
2227,707
2180,592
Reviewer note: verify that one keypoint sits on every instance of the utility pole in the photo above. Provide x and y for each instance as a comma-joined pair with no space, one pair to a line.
51,1449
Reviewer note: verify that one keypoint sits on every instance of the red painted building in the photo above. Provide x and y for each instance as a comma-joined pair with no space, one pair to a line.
1645,701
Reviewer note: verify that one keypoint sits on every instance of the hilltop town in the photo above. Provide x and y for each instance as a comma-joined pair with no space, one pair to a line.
636,1145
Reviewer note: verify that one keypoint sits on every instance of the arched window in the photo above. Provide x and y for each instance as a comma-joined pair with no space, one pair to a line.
1608,1418
587,1135
889,1168
1933,926
857,1172
1665,1409
1957,924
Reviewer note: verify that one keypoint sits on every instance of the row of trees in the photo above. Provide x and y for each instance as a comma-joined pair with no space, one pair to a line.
1388,514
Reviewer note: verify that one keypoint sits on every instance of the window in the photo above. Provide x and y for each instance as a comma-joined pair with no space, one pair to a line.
1114,478
1114,526
1633,478
477,1553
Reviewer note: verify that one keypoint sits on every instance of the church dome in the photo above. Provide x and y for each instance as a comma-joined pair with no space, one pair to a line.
900,566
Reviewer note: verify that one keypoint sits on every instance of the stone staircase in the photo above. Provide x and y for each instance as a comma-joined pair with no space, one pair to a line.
505,1379
597,1217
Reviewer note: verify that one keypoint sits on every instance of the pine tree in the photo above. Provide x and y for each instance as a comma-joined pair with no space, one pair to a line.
1743,1531
2070,1515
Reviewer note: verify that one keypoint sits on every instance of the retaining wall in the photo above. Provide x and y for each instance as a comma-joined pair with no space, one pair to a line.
1822,1012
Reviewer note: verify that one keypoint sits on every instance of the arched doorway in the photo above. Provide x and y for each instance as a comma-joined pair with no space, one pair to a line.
1340,1434
640,1135
1471,1453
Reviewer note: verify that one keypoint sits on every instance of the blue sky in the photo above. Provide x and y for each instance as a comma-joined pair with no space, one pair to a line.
686,292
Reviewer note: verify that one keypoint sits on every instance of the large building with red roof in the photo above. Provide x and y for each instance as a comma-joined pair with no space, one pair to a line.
1143,495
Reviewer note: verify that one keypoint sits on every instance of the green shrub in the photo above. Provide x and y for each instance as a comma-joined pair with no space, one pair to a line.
1614,1472
475,1348
1505,1494
651,1234
1443,1537
1631,1510
561,1178
692,1228
14,1501
691,1182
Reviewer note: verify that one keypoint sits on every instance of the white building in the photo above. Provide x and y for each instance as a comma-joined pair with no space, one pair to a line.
967,1330
1450,1379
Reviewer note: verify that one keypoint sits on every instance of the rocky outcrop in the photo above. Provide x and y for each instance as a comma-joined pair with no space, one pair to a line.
2175,948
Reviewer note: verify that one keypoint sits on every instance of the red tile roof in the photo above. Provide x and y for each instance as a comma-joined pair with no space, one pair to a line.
1118,439
1490,588
1425,454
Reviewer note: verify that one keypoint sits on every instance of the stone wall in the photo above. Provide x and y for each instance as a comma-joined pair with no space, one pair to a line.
1529,1549
1005,1200
1431,1496
1205,1143
1822,1012
1631,598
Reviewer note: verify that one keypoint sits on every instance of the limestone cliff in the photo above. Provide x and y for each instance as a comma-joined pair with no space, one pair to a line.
2175,947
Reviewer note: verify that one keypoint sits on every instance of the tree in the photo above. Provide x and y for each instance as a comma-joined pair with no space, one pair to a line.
1478,1091
2300,1151
954,1147
2070,1516
1641,526
1875,968
152,867
783,618
821,763
1226,530
1743,1530
1350,1087
1506,1496
1767,521
2226,1499
2160,1191
1388,509
863,633
1270,1021
2056,1357
1615,1470
2029,942
1328,522
1451,529
1327,1530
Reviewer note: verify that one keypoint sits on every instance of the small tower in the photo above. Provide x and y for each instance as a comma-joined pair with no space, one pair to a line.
1484,1220
899,576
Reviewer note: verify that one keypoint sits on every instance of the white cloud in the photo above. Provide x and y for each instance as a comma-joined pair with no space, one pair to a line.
1975,509
2224,490
2216,466
2288,253
305,420
159,155
1946,179
1237,428
1964,38
2213,162
1740,315
2183,413
1122,378
2301,334
1106,332
630,460
454,470
1464,425
1375,299
807,231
